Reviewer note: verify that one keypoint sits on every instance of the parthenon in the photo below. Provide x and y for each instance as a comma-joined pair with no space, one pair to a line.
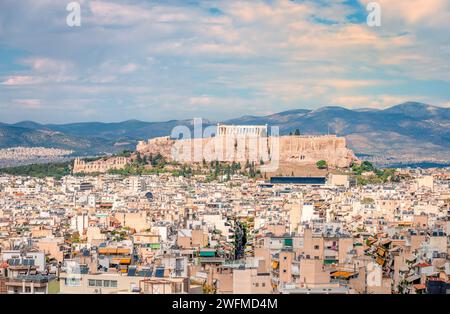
255,130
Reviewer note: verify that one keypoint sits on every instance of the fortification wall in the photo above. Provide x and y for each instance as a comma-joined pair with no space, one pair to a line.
304,149
296,149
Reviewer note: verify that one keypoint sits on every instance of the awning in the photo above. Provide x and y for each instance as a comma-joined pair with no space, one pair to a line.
274,265
342,274
123,261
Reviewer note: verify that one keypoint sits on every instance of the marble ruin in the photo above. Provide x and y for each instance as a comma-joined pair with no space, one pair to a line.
99,166
256,130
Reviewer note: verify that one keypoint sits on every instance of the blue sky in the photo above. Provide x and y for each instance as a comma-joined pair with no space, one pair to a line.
161,60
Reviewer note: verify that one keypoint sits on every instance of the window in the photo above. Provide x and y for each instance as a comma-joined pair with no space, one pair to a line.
263,284
106,283
316,247
316,257
98,283
284,270
114,283
91,283
72,282
256,284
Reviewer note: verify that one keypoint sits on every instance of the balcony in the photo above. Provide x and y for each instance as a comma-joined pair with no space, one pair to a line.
330,253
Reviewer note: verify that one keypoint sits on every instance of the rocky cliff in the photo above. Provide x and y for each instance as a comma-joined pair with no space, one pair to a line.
293,149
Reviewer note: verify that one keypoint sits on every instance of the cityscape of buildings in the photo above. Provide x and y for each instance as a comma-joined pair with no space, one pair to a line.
166,233
220,156
28,155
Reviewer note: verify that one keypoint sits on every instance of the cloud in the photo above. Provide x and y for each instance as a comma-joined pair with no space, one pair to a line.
422,13
371,101
202,100
111,13
42,70
165,59
128,68
47,65
345,83
28,103
21,80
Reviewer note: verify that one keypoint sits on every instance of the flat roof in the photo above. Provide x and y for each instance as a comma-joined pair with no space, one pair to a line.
298,180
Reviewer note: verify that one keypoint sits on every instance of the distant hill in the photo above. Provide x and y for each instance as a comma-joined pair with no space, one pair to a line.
89,138
408,131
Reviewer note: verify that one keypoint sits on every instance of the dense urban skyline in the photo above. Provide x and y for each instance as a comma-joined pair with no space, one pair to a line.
243,149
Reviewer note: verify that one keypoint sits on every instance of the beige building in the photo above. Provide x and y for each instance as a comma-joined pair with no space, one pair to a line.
52,246
137,221
248,281
339,180
313,273
115,283
425,181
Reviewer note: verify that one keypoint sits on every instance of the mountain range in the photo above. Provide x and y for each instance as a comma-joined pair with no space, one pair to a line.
410,131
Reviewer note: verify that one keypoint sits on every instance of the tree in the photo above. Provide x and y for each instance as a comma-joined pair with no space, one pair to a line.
158,160
139,159
217,170
125,153
367,166
251,170
228,173
321,164
297,132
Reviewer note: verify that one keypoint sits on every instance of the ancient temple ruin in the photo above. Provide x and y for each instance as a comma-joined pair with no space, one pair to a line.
256,130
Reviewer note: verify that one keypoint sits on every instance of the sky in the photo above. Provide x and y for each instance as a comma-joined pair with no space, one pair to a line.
217,59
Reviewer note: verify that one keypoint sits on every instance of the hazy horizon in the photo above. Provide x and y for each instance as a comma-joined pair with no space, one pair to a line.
204,118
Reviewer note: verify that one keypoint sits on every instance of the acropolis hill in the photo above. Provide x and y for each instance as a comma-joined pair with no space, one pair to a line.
242,143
